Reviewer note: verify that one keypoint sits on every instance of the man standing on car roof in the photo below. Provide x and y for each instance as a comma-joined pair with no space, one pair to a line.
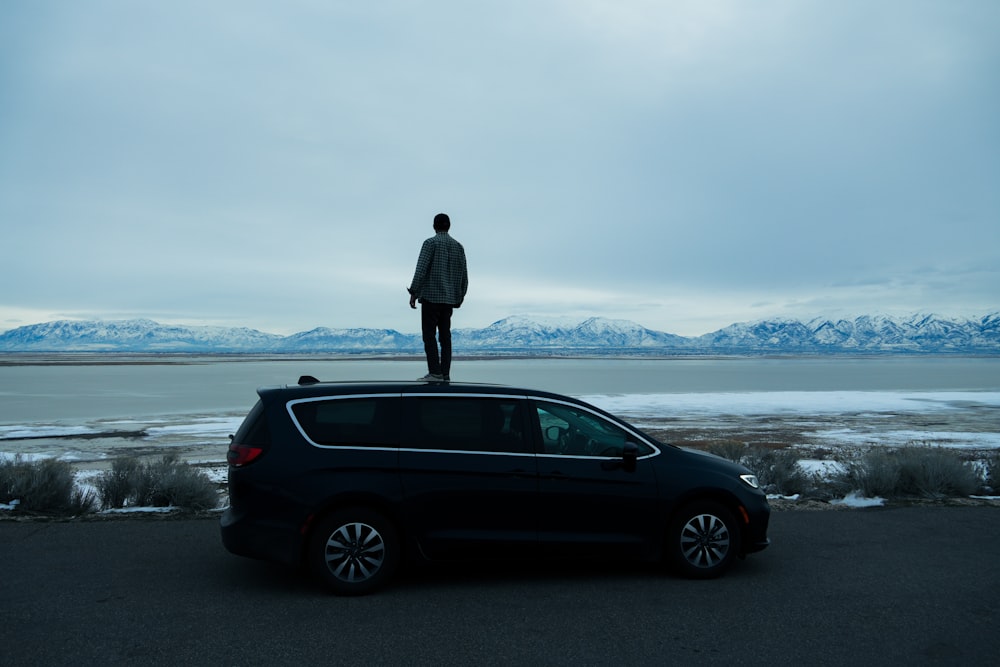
439,284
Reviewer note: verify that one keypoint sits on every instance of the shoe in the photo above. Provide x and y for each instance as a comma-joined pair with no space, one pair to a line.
431,377
447,378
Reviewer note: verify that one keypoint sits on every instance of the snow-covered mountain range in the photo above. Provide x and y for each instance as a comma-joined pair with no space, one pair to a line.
520,335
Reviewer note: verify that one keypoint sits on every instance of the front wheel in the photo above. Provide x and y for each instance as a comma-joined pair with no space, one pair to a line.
354,551
704,540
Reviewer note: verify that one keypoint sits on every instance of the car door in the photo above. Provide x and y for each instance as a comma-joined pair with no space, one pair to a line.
590,498
468,475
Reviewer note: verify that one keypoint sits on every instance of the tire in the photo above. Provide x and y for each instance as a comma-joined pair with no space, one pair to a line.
703,540
354,551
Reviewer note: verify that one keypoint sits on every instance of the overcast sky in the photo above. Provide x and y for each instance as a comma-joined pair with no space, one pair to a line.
684,165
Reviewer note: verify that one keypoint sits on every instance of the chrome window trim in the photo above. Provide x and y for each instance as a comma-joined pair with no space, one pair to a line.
522,397
413,450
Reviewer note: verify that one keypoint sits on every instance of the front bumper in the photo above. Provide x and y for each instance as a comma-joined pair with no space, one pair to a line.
755,533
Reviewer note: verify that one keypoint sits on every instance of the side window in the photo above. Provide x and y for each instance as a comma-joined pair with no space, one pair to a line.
572,431
369,421
465,424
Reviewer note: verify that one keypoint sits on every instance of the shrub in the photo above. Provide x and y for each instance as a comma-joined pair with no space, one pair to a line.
991,470
777,470
874,474
177,484
45,486
728,449
168,482
921,471
932,472
114,487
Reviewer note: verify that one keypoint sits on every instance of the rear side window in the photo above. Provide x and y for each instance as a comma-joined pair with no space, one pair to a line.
465,424
371,421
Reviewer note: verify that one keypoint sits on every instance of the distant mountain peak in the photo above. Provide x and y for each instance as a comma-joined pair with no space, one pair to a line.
919,333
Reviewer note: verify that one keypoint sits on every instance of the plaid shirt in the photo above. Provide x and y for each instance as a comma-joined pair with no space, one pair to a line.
441,276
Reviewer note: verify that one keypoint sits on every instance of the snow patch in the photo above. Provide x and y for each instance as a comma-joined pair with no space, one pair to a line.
853,499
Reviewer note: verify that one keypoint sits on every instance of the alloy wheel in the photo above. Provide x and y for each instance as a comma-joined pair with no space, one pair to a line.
355,552
705,541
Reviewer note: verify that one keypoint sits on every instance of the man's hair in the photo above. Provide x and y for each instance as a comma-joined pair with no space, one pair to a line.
442,222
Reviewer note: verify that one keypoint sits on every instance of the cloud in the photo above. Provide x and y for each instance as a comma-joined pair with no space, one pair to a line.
681,164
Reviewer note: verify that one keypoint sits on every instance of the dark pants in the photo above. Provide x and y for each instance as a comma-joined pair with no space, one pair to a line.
435,318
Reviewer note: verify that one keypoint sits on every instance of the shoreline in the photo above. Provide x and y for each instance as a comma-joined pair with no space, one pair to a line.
97,358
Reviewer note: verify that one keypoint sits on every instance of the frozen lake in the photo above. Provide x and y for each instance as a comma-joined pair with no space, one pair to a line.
96,408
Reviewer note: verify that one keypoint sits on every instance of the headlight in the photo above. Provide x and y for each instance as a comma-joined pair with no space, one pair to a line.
751,481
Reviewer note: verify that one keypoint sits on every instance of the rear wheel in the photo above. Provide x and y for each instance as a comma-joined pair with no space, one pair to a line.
704,540
354,551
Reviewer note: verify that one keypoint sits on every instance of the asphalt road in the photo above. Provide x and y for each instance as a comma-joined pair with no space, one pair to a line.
909,586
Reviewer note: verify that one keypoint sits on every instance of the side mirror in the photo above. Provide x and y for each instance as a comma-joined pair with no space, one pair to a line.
630,455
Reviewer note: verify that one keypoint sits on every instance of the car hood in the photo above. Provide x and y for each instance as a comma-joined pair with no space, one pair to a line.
722,462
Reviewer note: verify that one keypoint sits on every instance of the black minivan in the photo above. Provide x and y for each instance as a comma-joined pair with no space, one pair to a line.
354,478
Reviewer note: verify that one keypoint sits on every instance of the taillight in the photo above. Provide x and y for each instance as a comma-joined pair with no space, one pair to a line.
241,455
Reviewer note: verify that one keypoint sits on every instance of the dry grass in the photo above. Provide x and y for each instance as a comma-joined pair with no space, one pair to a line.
168,482
49,486
43,487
